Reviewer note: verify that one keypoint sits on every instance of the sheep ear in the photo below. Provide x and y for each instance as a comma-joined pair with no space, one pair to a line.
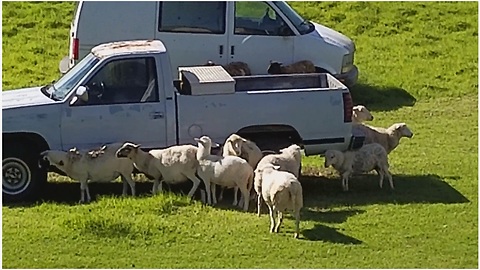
103,147
196,139
73,150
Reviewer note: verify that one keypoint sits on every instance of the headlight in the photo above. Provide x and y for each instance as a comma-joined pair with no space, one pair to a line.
347,63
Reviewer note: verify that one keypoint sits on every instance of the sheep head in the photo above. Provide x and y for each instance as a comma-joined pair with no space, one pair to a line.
127,150
235,143
401,130
274,68
61,159
360,113
333,157
293,150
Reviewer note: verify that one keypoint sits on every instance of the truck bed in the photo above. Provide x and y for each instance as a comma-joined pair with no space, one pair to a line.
311,103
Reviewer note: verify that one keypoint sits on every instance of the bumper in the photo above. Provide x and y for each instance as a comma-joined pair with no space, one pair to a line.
350,78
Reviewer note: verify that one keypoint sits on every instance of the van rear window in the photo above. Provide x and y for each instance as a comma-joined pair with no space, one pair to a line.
192,17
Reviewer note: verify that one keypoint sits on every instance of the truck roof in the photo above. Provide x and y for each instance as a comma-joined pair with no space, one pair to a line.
128,47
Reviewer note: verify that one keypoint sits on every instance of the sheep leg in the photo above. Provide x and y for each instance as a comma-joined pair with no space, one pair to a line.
127,180
235,199
390,179
345,177
196,183
380,176
259,203
207,190
280,219
297,223
220,198
272,218
155,186
83,190
245,194
213,189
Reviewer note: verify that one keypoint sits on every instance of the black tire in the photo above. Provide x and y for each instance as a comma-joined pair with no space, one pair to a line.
272,144
22,178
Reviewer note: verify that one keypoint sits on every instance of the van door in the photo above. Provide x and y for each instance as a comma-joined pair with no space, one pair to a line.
193,32
259,35
124,104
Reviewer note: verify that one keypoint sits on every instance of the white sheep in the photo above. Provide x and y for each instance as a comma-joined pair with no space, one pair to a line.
281,191
175,164
361,114
99,165
304,66
235,145
389,138
289,159
230,171
369,157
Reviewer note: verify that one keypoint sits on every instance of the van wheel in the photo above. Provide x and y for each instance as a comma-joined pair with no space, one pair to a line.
21,177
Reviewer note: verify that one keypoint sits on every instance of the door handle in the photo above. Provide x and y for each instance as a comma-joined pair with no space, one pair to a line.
156,115
232,50
221,50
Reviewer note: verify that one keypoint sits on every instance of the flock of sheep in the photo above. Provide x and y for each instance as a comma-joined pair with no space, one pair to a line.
242,166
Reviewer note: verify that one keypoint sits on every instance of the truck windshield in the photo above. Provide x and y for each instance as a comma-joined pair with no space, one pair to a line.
65,84
303,26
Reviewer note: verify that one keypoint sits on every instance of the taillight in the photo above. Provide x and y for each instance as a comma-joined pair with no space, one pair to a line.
75,48
347,107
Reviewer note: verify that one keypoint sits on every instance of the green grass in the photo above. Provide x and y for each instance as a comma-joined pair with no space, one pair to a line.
418,64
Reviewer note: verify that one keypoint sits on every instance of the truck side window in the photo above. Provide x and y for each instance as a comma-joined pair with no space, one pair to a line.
258,18
192,17
131,80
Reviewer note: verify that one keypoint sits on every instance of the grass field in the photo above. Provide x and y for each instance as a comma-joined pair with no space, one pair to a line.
418,64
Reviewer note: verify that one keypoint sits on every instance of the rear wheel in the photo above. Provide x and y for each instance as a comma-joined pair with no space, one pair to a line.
21,176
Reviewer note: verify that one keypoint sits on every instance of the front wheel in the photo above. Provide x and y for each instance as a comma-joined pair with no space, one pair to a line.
22,178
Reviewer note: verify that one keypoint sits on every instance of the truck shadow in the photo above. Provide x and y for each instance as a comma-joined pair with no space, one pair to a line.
381,98
364,190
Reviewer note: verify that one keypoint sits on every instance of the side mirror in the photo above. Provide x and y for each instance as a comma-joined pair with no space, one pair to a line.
63,66
81,96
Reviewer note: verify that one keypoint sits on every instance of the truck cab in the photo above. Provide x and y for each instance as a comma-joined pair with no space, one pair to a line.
195,32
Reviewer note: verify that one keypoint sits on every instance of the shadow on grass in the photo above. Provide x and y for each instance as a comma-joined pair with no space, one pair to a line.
319,192
69,192
326,234
364,190
381,98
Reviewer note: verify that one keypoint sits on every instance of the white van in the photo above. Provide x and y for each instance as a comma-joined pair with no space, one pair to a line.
223,32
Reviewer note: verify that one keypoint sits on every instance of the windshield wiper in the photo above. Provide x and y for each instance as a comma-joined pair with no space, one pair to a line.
50,94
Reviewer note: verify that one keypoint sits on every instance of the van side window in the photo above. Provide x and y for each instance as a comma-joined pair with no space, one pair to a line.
192,17
258,18
131,80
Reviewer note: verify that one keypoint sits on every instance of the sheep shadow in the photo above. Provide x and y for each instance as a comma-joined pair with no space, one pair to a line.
364,190
326,234
381,98
68,193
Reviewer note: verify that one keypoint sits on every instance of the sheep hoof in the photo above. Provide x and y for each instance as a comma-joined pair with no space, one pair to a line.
295,236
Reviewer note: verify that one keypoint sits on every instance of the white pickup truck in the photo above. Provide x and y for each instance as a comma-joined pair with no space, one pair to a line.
123,91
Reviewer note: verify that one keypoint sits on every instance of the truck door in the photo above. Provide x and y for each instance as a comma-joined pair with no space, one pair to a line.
258,35
193,32
124,104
